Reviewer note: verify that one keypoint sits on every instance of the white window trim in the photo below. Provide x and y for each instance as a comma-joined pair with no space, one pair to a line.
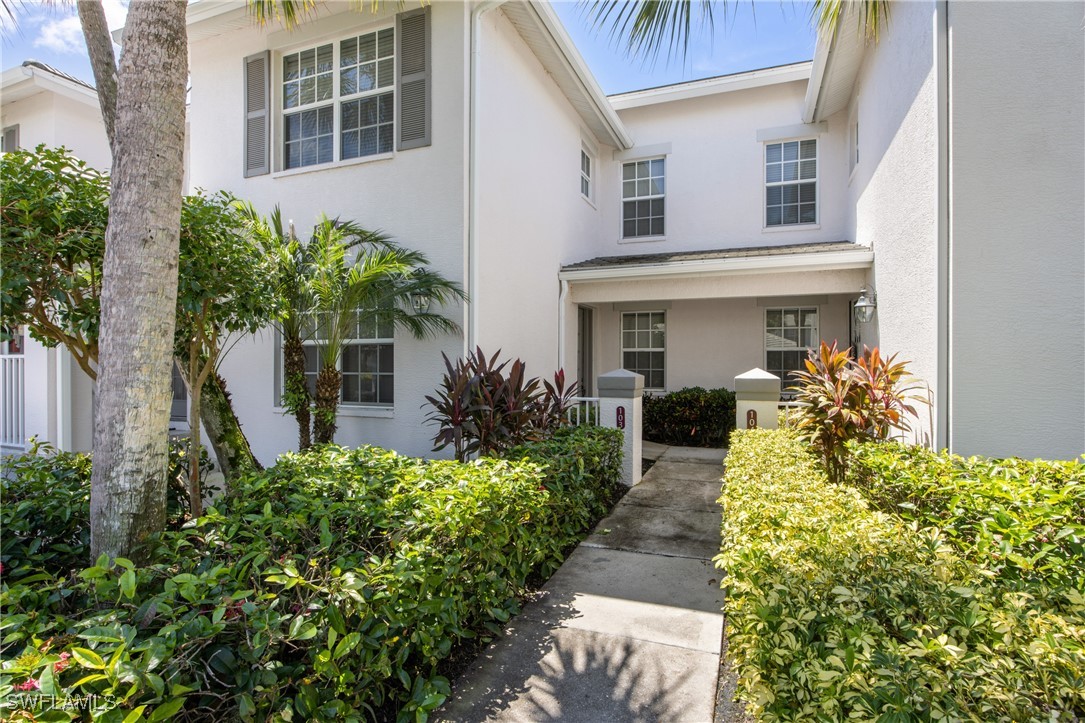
853,141
621,199
339,365
593,171
764,333
278,160
622,349
765,228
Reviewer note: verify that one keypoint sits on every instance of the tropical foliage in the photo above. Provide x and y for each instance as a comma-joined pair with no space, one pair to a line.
334,586
484,406
836,612
843,399
690,417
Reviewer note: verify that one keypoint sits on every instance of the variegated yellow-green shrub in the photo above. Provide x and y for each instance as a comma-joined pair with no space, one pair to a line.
838,612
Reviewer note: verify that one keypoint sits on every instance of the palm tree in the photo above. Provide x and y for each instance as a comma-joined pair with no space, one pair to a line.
379,286
649,26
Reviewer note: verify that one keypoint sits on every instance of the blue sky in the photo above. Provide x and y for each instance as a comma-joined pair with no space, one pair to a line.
750,35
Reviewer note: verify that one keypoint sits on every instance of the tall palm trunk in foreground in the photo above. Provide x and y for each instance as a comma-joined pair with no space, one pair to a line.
139,294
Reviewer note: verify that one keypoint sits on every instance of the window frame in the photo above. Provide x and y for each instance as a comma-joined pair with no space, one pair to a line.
785,382
586,177
376,341
622,349
337,100
622,238
765,183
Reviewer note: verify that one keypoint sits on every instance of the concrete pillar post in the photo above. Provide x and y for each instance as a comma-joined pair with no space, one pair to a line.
620,394
757,400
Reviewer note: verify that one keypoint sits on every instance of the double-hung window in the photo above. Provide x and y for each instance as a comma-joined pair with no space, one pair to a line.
339,100
367,364
790,334
644,343
791,174
585,174
643,195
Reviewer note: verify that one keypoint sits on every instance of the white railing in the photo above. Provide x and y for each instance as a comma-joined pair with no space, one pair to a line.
12,401
584,410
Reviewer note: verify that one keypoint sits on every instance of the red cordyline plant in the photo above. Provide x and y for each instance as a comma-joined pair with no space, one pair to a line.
846,399
484,406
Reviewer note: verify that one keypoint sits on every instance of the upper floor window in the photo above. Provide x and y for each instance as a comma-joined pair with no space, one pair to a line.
643,195
585,174
791,172
338,100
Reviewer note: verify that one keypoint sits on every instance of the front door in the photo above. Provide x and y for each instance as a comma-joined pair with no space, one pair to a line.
585,362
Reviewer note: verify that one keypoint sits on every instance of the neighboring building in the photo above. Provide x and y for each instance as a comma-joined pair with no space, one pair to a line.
688,232
43,392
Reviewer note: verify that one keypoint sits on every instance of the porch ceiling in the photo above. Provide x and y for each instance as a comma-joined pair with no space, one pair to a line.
822,268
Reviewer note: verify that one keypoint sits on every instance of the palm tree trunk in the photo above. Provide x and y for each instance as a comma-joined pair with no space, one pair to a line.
139,289
297,391
102,61
328,383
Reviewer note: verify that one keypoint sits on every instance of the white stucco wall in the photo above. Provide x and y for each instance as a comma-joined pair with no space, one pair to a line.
715,172
417,196
1017,228
55,120
893,190
532,216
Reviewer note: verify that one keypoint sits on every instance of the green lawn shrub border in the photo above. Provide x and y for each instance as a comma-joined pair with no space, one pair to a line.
837,612
330,587
690,417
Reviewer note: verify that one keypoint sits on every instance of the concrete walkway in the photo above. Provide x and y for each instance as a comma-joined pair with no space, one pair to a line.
630,628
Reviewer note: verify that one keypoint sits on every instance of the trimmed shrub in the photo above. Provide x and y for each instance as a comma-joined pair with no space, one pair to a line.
690,417
331,586
837,612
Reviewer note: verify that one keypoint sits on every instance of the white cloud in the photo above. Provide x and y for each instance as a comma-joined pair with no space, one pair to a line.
65,35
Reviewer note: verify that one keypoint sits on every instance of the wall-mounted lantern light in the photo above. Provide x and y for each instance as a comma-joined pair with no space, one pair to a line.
421,302
865,305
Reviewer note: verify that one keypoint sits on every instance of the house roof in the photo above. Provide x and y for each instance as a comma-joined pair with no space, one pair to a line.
807,256
33,77
835,67
710,86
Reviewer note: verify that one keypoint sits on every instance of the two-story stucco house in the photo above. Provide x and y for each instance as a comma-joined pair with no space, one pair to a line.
689,232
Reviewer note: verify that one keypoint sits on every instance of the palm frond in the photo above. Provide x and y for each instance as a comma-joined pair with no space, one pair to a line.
649,26
871,16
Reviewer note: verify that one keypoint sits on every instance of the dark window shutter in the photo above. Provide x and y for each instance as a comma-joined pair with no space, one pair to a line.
10,140
257,116
413,82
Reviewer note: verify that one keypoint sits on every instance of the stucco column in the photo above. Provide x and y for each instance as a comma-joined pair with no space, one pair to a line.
757,400
620,394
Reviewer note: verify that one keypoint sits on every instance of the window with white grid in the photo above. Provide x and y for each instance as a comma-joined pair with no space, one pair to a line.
790,334
644,343
338,100
791,174
585,174
643,195
367,364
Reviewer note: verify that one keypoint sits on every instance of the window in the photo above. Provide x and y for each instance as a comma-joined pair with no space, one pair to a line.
643,346
338,100
642,198
791,171
585,174
367,364
789,335
9,141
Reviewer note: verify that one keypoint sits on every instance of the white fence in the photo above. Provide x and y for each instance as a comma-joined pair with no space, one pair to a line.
584,410
12,401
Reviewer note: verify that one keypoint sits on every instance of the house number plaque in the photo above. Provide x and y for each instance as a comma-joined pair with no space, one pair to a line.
751,419
621,417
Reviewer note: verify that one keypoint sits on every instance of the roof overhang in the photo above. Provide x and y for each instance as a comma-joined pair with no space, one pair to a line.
544,34
24,81
713,86
859,257
835,67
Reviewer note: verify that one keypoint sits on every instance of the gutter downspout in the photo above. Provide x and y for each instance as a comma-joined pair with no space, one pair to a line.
470,338
943,438
561,322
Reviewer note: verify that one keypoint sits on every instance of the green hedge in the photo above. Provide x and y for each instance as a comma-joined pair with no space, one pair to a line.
690,417
331,586
836,611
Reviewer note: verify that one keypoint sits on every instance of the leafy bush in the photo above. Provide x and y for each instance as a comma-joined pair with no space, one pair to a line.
331,586
837,612
690,417
1022,520
844,399
480,408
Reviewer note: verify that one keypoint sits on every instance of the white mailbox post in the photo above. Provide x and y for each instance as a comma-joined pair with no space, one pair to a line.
757,400
620,394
